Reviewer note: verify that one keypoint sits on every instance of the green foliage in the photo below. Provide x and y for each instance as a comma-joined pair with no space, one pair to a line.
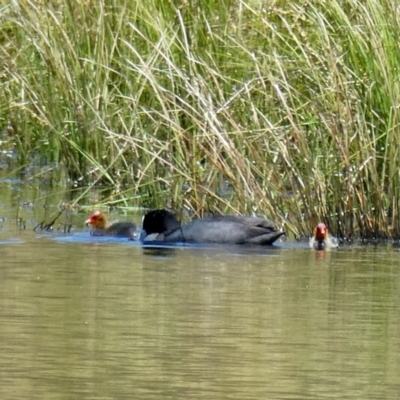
281,108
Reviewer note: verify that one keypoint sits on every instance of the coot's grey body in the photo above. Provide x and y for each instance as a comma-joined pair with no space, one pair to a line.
224,229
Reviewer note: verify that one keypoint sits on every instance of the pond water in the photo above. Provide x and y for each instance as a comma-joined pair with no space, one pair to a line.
89,318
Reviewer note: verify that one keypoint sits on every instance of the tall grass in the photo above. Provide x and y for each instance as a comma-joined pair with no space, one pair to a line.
288,109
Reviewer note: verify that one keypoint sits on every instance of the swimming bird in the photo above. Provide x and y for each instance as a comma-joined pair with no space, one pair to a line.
100,226
322,239
228,229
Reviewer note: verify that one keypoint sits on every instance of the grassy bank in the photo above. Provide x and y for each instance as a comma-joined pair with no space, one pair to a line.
286,109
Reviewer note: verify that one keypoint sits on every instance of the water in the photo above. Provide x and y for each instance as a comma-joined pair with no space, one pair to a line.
96,318
85,318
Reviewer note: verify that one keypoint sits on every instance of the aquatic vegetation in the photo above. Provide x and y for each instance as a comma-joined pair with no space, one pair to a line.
287,109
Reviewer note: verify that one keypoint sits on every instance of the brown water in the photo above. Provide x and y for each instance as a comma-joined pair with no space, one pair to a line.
87,319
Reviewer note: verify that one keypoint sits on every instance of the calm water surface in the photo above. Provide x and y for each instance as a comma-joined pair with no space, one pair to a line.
87,319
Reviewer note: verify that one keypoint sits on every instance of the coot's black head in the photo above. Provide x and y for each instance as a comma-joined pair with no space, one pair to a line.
159,221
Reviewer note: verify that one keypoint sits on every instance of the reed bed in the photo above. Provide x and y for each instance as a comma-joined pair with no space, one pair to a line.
285,109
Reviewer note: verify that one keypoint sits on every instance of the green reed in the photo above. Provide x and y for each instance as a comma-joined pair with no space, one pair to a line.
287,109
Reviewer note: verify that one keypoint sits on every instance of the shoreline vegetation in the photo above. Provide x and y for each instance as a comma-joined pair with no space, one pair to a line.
282,109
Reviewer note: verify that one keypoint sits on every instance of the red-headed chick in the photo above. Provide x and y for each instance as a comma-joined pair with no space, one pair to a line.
100,226
322,239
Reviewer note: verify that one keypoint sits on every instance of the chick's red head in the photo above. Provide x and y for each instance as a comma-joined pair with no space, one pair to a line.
97,220
321,231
